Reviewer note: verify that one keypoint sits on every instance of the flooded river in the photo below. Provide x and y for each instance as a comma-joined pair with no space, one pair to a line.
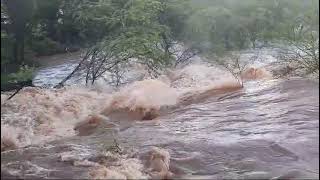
201,122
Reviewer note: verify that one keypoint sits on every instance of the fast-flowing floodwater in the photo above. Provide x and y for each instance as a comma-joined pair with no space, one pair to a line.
208,126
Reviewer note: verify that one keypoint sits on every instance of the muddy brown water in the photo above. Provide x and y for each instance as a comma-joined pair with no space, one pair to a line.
268,129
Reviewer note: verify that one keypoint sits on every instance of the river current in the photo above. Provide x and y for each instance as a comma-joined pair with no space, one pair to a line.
195,122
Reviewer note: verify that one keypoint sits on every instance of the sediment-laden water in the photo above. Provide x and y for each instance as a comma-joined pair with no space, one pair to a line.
194,122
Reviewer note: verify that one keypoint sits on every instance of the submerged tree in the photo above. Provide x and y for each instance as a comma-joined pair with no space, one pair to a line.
138,32
303,41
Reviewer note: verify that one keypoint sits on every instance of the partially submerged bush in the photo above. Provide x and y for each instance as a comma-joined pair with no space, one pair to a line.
24,74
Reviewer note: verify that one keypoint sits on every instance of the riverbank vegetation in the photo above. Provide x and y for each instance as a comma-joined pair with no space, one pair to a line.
117,32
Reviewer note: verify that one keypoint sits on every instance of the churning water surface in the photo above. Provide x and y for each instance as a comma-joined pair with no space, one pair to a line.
267,129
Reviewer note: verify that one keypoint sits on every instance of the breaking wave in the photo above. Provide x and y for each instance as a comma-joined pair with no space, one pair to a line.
38,116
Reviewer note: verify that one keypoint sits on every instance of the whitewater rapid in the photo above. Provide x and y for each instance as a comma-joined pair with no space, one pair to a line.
192,122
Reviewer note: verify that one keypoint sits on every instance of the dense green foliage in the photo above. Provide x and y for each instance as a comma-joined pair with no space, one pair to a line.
148,29
24,74
233,25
